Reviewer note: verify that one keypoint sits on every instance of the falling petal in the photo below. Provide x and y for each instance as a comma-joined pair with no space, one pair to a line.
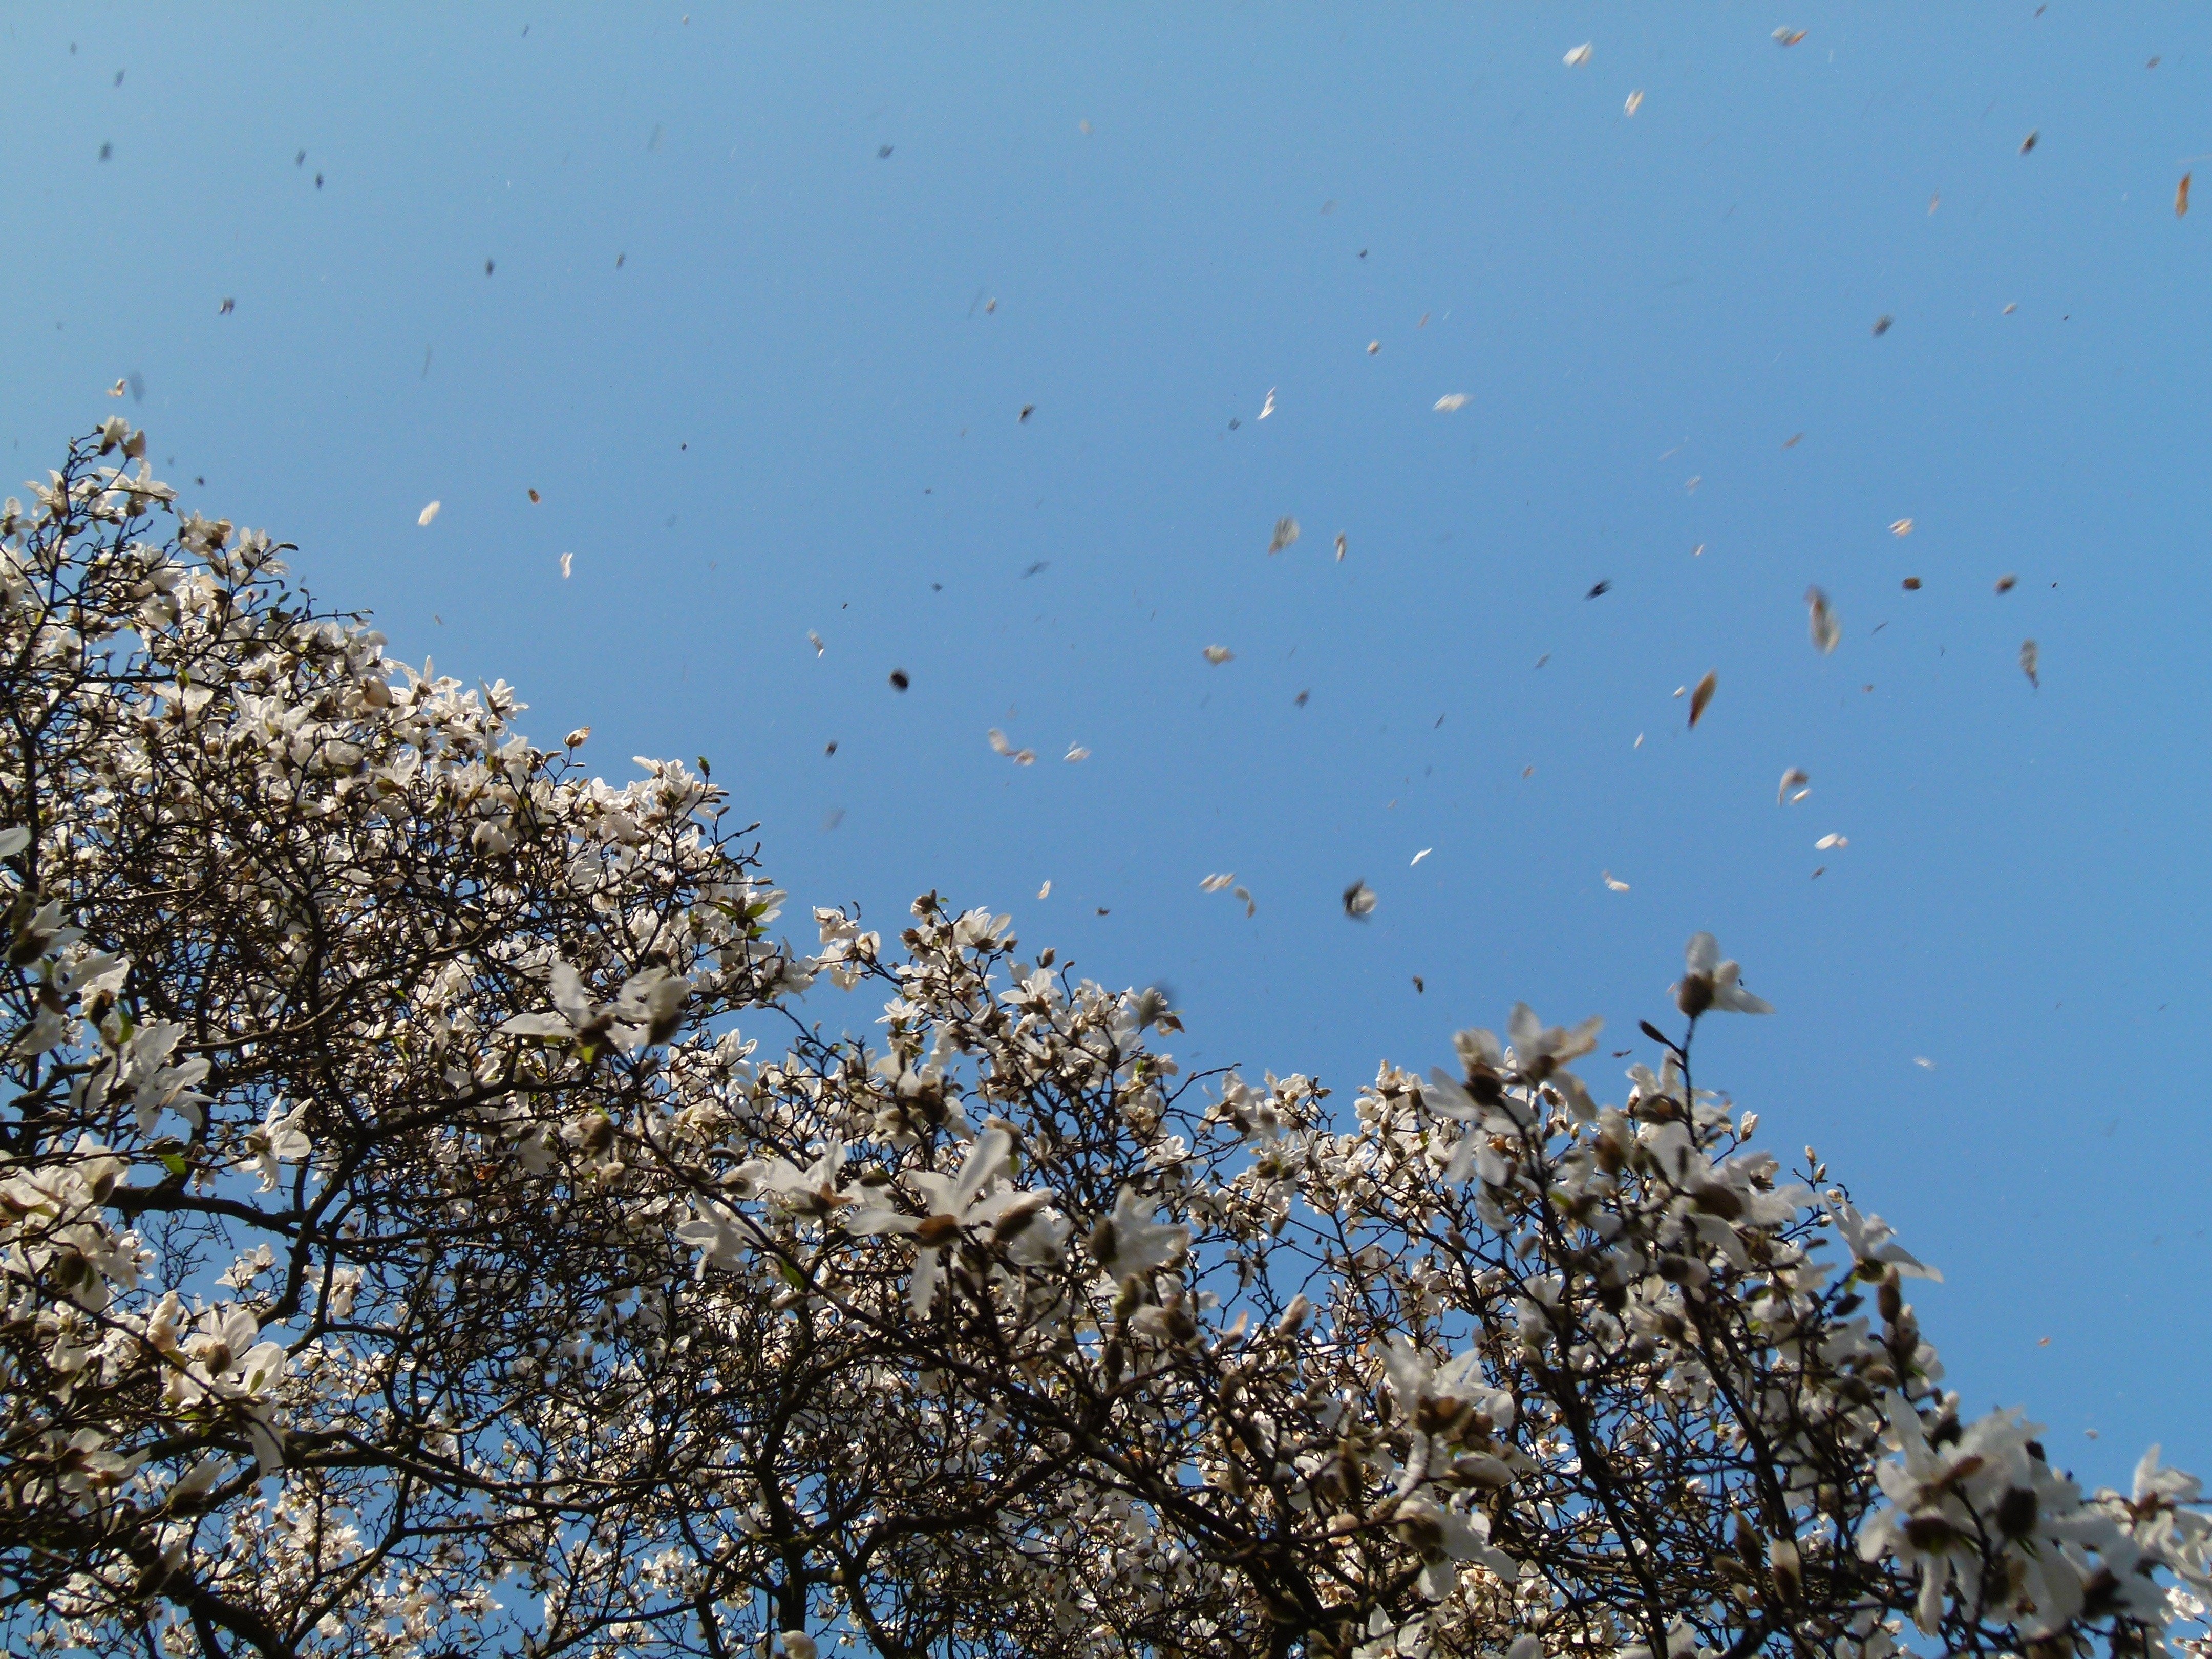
1703,696
1882,325
1638,743
1358,900
1076,752
1267,407
2028,143
1928,1064
2005,583
568,561
2028,658
1450,401
2181,198
1799,796
1791,779
1215,884
1901,527
1786,36
1912,584
1045,891
1286,532
1827,632
1423,853
1339,549
1617,886
1827,841
428,512
1579,56
1000,745
1635,103
1218,654
535,498
814,640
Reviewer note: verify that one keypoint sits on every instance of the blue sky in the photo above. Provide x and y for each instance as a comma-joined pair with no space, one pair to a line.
755,301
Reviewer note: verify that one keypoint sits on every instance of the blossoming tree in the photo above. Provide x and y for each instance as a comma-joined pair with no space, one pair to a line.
431,1223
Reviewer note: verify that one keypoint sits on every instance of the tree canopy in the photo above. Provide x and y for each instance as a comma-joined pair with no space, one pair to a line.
438,1216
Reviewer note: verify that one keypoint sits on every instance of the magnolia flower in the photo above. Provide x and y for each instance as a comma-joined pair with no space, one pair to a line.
1129,1244
279,1138
1666,1083
96,982
647,1010
1710,983
221,1361
1443,1405
716,1235
1445,1537
809,1192
33,929
1935,1492
192,1489
1022,1224
1539,1050
1868,1237
1537,1057
145,1077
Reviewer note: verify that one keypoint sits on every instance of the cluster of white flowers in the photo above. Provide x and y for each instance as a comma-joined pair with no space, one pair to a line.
412,1240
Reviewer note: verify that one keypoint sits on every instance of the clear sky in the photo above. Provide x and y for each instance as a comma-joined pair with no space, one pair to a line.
757,302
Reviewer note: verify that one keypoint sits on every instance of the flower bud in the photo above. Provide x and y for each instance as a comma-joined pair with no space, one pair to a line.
1890,1298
